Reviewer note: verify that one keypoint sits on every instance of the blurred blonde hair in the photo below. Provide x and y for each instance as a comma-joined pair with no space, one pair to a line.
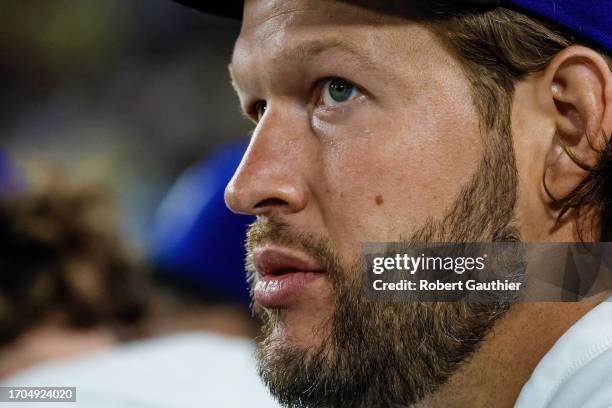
63,261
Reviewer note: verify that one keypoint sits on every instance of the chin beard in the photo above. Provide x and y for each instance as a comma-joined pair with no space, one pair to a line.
375,354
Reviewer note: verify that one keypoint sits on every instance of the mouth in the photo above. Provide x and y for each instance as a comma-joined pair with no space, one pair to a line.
283,275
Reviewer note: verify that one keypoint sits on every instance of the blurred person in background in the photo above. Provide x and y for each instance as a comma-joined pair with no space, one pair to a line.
198,251
67,286
199,352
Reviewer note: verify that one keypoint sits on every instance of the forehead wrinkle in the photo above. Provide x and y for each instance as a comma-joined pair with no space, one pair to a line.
311,49
277,13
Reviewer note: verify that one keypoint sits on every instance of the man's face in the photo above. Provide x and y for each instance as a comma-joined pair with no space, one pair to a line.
365,132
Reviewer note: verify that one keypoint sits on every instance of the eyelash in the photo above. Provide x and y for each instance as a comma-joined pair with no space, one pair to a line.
317,91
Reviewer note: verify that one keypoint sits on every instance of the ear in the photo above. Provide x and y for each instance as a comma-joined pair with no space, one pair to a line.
577,91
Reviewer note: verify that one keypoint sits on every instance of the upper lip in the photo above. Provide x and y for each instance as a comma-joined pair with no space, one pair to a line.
274,260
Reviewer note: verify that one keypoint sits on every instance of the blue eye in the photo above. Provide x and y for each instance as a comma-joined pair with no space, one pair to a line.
337,90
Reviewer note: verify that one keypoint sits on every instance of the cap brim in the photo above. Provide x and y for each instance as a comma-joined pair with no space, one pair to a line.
226,8
233,8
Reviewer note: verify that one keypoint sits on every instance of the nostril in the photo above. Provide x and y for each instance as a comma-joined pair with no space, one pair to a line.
270,202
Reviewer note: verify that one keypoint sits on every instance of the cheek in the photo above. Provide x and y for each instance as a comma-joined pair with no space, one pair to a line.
389,171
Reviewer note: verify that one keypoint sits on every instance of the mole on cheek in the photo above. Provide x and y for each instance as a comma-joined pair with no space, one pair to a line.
379,200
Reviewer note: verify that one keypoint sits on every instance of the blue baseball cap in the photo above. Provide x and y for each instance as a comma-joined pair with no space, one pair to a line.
196,240
590,20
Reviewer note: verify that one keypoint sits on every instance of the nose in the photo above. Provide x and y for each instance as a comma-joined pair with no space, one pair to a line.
271,177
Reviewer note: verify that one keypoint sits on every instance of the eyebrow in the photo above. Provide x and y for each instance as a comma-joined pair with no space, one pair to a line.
314,48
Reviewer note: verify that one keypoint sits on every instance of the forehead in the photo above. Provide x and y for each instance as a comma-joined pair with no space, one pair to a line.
290,30
277,13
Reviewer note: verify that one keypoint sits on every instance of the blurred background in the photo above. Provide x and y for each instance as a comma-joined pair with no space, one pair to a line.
127,93
121,269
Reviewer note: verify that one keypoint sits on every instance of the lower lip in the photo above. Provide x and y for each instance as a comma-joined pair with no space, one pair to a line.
280,290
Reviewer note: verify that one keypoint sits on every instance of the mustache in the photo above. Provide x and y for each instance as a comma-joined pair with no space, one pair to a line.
278,232
266,231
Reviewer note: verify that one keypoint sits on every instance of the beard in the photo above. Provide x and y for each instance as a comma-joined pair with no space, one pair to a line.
376,354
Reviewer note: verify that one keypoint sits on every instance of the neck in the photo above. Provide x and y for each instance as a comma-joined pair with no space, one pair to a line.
495,374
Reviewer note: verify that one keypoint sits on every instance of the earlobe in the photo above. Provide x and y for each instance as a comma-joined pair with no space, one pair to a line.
579,84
